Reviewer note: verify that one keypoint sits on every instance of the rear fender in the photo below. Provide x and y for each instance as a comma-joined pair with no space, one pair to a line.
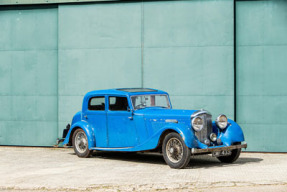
85,126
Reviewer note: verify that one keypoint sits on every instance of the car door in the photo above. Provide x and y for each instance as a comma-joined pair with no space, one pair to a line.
96,115
121,126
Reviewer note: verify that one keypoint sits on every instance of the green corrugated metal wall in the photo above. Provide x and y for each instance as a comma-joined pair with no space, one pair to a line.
28,77
51,57
262,73
134,44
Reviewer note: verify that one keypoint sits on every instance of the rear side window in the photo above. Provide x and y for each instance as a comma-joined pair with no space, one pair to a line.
97,104
118,104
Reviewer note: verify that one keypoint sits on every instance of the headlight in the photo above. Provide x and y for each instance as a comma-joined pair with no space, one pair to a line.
197,123
221,121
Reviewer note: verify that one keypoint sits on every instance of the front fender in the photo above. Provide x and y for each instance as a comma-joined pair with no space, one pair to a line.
89,130
183,130
232,134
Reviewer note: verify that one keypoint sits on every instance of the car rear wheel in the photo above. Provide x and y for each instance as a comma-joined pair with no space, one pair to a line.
80,143
175,153
230,158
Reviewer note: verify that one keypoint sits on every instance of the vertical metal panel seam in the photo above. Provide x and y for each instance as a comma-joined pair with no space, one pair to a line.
57,71
142,44
234,57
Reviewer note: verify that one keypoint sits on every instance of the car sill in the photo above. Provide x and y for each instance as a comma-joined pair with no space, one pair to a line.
102,148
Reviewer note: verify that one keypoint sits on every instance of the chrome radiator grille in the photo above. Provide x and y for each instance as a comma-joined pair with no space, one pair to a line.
207,128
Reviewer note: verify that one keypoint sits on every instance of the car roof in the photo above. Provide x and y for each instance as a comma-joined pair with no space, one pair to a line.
125,91
136,90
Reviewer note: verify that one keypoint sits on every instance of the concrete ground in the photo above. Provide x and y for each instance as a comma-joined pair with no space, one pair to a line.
58,169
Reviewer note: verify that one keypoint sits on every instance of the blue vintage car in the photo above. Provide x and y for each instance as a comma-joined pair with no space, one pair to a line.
139,119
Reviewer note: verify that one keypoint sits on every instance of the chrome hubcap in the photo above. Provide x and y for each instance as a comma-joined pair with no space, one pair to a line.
174,150
81,142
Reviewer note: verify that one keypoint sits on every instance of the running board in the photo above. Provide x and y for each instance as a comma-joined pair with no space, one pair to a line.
103,148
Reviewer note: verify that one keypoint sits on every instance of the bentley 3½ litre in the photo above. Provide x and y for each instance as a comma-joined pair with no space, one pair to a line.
138,119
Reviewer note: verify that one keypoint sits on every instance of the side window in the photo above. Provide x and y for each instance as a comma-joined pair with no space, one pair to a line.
97,104
118,104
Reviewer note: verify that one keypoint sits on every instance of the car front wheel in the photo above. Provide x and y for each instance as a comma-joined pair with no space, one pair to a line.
175,153
80,143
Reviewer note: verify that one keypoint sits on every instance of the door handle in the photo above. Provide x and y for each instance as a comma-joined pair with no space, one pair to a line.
131,118
86,116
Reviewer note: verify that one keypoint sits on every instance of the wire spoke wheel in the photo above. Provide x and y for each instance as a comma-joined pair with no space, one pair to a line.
174,150
81,142
175,153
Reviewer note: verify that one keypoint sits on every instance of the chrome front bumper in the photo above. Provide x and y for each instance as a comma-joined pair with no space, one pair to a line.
213,149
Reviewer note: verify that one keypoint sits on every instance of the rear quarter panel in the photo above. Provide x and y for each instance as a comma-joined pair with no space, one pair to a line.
89,130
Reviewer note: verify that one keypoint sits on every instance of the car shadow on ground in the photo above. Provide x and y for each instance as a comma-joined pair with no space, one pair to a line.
207,161
152,158
199,161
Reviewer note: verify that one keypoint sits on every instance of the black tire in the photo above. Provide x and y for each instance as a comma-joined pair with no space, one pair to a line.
231,158
80,144
175,153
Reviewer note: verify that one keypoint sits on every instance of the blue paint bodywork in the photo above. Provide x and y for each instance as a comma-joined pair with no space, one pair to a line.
142,129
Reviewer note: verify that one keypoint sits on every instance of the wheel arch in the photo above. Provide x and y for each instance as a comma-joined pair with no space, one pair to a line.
185,133
86,128
71,135
163,135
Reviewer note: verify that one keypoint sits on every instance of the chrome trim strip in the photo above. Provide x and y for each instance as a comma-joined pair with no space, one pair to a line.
199,112
207,150
171,121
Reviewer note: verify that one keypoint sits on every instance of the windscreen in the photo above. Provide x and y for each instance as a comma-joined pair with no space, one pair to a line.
143,101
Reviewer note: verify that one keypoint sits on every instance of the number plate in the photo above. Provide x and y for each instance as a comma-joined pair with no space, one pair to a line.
221,153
